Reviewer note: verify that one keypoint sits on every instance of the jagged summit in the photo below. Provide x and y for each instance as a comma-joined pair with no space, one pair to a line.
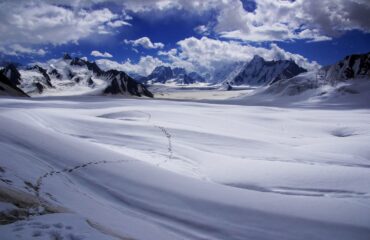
257,59
66,56
121,83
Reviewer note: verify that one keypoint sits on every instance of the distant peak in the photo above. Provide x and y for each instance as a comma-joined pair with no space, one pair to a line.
66,56
162,67
257,58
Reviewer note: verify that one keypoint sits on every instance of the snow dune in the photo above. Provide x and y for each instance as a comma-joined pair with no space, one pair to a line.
151,169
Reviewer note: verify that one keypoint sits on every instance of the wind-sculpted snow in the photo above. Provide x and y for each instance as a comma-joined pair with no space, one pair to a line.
131,169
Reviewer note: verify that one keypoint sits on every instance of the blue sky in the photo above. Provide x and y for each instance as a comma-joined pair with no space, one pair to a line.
137,35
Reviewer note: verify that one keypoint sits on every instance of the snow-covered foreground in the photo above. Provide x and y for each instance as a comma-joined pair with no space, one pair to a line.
152,169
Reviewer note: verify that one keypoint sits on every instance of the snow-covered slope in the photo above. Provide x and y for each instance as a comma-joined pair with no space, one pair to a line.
165,74
132,169
346,82
260,72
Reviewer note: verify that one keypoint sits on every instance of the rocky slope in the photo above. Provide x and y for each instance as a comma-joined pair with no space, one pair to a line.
352,66
8,88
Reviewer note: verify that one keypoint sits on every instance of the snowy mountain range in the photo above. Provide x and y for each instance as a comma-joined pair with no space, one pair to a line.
73,76
76,76
165,74
348,76
260,72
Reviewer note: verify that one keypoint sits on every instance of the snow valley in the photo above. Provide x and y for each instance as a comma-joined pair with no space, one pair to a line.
185,169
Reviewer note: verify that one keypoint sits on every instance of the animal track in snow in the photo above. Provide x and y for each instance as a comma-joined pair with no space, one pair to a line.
39,181
169,138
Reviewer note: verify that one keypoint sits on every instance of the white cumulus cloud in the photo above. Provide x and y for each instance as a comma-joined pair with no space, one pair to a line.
279,20
118,23
143,67
96,53
144,42
18,50
40,23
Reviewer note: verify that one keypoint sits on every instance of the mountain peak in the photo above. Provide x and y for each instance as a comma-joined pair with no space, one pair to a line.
257,58
66,56
162,74
261,72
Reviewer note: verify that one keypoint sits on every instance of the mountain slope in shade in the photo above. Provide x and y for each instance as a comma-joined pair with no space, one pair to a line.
10,71
165,74
121,83
352,66
7,88
259,72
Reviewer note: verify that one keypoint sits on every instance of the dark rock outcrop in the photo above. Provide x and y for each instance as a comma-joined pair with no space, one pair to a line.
121,83
352,66
66,56
10,71
90,82
44,73
92,66
7,88
56,74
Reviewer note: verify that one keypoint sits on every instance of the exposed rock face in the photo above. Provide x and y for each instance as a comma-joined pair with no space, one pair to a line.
39,87
7,88
92,66
90,82
66,56
55,73
260,72
10,71
352,66
47,79
121,83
